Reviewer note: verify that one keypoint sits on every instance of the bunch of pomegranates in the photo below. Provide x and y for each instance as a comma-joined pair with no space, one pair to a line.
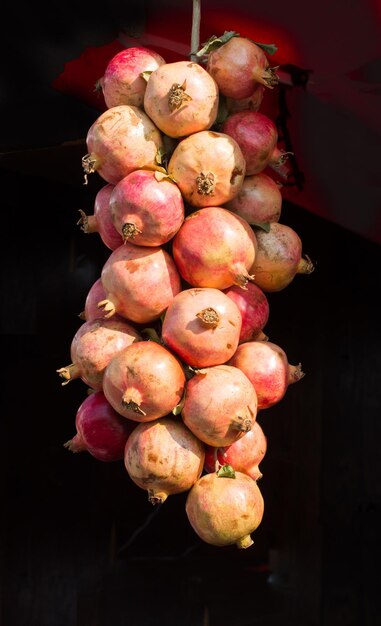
172,348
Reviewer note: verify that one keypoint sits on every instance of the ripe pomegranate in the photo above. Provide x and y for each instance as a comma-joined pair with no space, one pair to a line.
220,405
256,135
225,508
140,282
278,258
164,458
122,82
238,65
146,211
254,308
101,221
252,102
259,201
121,140
202,327
100,430
92,347
279,163
209,168
214,248
181,98
244,455
144,382
91,310
266,366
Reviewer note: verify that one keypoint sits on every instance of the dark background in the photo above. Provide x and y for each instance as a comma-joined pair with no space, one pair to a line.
80,544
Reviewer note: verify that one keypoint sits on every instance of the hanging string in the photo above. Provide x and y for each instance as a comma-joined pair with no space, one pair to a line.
195,35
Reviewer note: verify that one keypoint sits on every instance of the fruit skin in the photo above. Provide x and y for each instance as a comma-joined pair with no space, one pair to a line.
202,326
225,511
144,383
181,98
208,167
254,308
122,82
101,431
220,405
214,248
101,220
163,457
259,201
266,366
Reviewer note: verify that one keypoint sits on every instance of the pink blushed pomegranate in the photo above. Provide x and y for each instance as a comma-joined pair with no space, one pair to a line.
256,135
163,457
202,326
266,366
214,248
122,81
181,98
238,66
101,220
100,430
278,257
208,167
145,382
244,455
254,308
146,211
91,310
121,140
140,283
92,347
220,405
259,201
225,508
253,102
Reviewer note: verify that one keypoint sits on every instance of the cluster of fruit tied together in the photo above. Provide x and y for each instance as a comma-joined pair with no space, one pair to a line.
172,345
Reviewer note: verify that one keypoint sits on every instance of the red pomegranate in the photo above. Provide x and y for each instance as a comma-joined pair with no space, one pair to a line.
163,457
100,430
220,405
244,455
254,308
278,257
214,248
146,211
144,383
181,98
123,81
92,347
91,310
202,326
208,167
256,135
224,508
101,220
252,102
121,140
266,366
259,201
140,282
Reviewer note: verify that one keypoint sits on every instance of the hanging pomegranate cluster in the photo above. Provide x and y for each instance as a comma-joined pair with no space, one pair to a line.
172,348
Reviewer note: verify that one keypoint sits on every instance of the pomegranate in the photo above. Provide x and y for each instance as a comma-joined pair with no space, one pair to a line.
238,65
91,310
146,211
122,82
279,257
259,201
252,102
244,455
220,405
164,458
181,98
279,163
224,508
256,135
266,366
121,140
202,327
140,282
209,168
254,308
144,382
101,221
92,347
214,248
100,430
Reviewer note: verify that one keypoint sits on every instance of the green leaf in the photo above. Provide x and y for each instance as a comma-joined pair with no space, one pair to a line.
262,225
222,110
179,407
269,48
146,74
216,42
151,335
226,471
